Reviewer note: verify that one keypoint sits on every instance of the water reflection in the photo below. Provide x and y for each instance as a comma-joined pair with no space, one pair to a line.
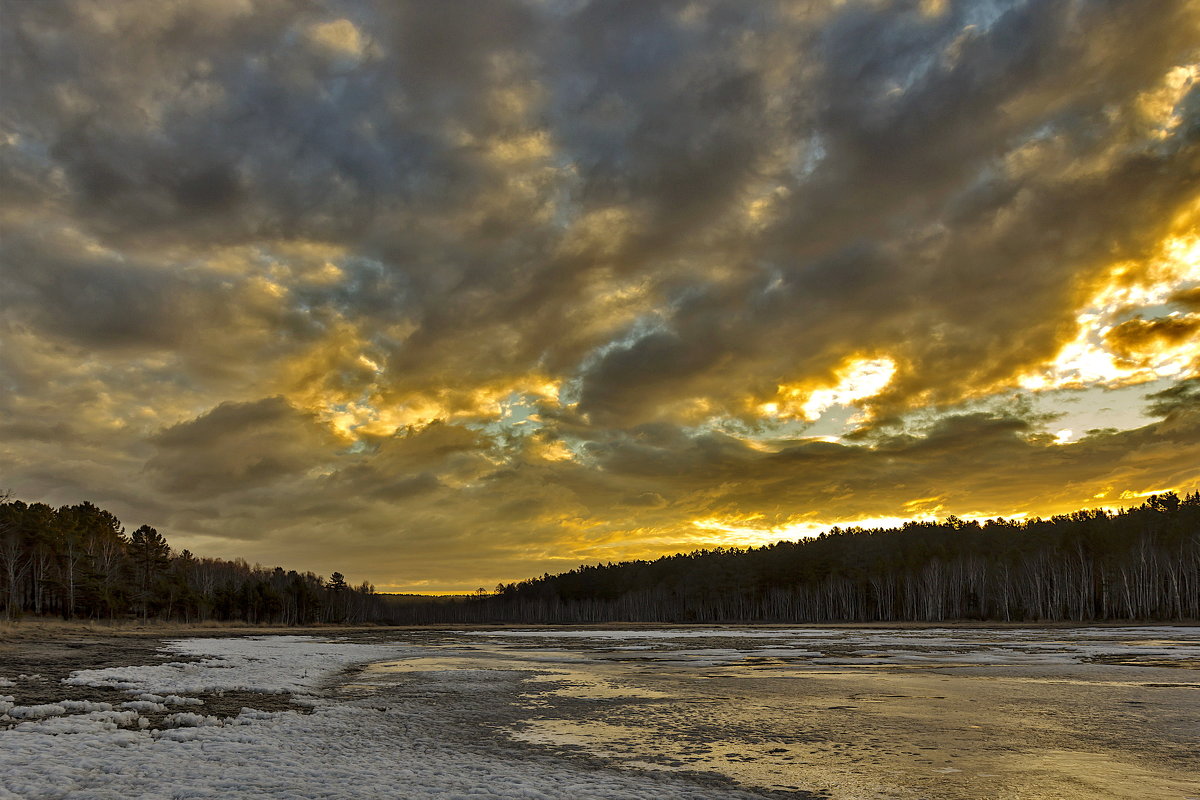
1086,713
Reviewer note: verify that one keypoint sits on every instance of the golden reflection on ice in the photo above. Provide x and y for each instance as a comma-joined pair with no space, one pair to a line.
852,714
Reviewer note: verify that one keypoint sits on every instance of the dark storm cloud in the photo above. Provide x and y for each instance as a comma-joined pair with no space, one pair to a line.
105,301
628,226
414,462
911,225
256,132
662,111
234,122
238,446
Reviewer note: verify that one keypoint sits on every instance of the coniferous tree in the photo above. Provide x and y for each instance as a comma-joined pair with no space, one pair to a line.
150,555
1139,563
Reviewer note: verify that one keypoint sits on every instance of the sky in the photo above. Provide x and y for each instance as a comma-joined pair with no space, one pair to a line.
441,295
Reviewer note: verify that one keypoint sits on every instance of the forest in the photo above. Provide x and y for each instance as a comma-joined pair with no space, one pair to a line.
1135,564
77,562
1142,563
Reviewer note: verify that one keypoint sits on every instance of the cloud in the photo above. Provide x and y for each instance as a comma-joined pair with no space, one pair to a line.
1138,335
1188,298
1182,399
238,446
495,291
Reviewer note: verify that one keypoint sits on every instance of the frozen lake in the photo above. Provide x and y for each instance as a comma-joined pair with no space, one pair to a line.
650,712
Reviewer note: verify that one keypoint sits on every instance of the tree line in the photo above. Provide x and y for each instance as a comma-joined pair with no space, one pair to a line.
1141,563
77,562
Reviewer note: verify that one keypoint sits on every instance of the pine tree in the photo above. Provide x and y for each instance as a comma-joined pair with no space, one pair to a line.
150,555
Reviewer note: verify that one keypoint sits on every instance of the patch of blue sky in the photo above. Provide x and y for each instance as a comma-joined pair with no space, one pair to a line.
1096,408
518,415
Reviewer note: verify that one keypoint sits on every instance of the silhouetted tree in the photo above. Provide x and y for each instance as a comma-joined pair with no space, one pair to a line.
149,554
1140,563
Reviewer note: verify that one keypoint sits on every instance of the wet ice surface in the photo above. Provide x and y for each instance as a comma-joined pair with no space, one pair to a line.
662,713
876,713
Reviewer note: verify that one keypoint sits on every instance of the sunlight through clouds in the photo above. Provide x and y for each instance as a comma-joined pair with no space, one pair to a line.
1098,356
480,292
1160,107
858,379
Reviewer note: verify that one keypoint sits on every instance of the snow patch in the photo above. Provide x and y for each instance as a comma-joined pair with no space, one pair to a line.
339,752
93,723
37,712
145,706
267,664
188,719
83,706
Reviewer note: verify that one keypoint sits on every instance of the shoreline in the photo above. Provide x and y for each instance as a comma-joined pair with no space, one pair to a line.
13,632
53,649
